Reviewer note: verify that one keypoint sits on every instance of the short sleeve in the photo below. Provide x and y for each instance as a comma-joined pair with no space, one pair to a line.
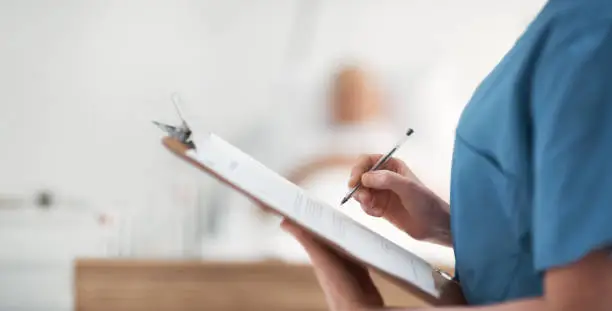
572,149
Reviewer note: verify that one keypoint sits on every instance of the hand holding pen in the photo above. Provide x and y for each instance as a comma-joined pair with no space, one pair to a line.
392,191
378,164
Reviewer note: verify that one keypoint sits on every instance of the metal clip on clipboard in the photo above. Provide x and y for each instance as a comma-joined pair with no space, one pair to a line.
446,276
182,132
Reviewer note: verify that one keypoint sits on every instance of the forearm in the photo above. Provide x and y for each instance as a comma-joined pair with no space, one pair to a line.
441,231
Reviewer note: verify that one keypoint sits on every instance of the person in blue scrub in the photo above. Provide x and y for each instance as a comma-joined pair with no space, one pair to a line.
530,214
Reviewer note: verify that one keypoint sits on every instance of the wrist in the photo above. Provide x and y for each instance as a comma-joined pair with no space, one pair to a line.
440,230
451,294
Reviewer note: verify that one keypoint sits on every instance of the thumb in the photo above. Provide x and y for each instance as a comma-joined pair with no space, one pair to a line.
385,180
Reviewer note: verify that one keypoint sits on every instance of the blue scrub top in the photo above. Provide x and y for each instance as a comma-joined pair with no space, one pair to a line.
531,178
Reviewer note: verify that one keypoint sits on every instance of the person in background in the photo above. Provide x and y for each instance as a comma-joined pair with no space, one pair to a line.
529,213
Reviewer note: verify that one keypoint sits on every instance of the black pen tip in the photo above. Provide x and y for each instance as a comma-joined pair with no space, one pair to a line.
343,201
409,132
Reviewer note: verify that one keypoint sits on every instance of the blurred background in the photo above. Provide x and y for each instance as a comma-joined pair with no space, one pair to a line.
303,86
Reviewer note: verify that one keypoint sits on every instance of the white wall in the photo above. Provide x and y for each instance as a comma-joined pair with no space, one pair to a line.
81,80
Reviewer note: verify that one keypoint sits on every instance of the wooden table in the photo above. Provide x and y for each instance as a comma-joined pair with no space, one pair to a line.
118,285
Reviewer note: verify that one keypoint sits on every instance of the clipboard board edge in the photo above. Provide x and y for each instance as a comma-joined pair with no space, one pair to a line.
180,150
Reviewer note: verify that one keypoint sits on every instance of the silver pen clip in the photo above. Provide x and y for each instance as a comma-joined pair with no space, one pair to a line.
182,132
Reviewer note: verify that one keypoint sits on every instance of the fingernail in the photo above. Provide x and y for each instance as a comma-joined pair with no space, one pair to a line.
367,177
375,210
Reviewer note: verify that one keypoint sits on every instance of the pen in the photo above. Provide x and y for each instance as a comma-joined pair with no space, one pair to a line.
378,164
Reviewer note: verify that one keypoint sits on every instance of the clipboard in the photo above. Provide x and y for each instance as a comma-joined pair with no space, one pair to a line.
428,283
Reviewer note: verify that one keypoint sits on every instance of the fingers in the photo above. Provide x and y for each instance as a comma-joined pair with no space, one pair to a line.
346,283
385,180
364,163
372,202
365,198
317,251
265,208
293,229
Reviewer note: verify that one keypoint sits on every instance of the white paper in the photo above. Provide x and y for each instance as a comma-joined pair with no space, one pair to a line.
331,223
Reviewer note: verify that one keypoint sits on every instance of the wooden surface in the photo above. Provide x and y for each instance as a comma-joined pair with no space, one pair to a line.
118,285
